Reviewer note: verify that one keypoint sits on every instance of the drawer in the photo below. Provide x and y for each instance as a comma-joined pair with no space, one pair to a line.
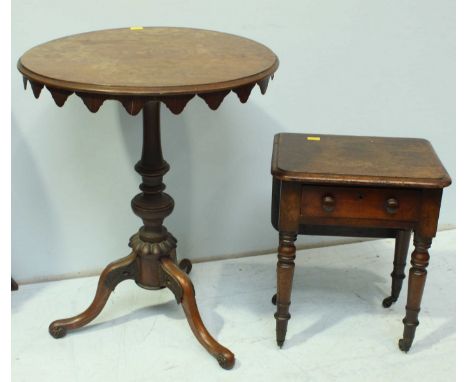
360,203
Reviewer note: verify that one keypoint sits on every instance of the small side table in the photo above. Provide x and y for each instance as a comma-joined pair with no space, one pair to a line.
357,186
142,68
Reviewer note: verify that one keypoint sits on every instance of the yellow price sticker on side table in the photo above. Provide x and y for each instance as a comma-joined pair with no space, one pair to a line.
136,28
313,138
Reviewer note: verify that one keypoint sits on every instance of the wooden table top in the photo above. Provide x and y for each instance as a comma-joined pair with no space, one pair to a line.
150,62
356,160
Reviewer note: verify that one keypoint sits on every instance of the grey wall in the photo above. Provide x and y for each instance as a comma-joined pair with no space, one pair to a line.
359,67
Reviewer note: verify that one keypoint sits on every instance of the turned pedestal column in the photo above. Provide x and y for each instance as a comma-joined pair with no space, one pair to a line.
152,262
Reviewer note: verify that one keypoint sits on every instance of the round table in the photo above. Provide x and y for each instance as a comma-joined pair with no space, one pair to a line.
142,67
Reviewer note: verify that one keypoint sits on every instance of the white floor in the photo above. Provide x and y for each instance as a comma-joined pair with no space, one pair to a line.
338,331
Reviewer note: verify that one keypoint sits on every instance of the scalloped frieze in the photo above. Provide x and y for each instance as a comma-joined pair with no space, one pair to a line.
243,92
59,95
36,88
213,100
92,101
133,105
263,84
177,103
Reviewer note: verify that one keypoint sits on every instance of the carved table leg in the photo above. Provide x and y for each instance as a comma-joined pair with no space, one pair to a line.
416,281
285,273
112,275
180,284
401,252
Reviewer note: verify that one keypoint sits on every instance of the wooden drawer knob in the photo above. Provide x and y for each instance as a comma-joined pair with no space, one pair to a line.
391,205
328,203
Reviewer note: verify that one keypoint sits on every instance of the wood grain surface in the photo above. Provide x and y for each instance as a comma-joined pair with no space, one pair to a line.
149,61
357,186
358,160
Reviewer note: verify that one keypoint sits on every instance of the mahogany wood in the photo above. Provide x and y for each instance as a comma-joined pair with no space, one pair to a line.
370,161
285,273
357,186
349,202
223,355
153,262
135,66
416,282
142,67
112,275
401,252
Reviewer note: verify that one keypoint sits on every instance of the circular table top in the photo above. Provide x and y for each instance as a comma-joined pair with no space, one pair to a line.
138,64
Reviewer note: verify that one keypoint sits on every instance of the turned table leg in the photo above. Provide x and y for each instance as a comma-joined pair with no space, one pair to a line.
285,273
416,281
401,252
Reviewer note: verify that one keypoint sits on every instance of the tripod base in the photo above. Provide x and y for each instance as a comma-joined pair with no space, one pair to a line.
150,272
153,261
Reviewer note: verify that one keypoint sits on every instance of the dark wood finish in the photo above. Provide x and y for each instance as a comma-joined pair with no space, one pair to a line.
416,282
14,285
142,68
223,355
322,230
112,275
285,273
359,203
135,66
398,275
357,186
153,262
370,161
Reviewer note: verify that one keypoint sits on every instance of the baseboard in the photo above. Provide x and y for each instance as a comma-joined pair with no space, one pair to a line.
338,241
331,243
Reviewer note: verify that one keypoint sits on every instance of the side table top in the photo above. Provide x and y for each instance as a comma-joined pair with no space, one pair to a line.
357,160
150,62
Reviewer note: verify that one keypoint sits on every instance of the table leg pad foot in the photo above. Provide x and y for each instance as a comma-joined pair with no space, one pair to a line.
56,330
185,265
226,361
405,344
113,274
387,302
